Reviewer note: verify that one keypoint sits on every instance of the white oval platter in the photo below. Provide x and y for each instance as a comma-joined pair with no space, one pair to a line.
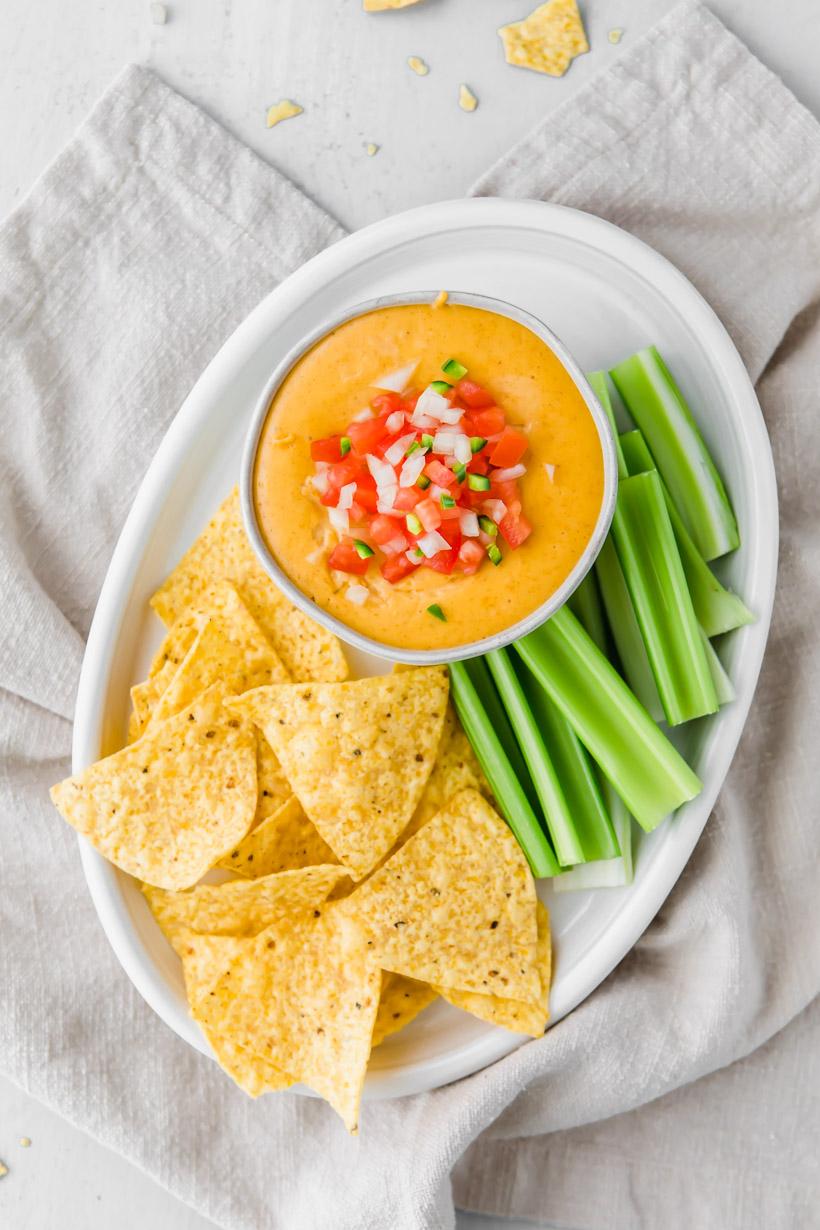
605,294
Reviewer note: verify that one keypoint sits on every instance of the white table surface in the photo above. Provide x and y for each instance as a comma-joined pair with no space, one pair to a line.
348,71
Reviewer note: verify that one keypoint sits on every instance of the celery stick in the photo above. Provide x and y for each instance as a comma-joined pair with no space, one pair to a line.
657,406
565,841
600,387
575,772
724,688
717,608
605,873
657,585
651,777
481,730
585,603
626,633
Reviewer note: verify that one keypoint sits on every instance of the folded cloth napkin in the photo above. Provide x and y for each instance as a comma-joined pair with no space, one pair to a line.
134,257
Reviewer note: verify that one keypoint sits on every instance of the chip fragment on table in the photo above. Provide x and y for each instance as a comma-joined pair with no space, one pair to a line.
548,40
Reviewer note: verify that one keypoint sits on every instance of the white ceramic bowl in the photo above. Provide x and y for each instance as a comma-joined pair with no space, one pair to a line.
397,653
606,294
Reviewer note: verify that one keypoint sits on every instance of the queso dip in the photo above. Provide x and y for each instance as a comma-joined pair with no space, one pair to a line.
513,528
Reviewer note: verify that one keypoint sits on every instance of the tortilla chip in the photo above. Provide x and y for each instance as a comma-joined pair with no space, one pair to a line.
548,40
167,807
222,552
205,958
240,907
274,787
357,755
305,997
285,109
230,649
400,1002
455,906
456,769
519,1016
286,839
144,698
173,649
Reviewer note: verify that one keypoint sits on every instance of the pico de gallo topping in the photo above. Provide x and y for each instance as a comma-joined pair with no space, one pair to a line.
423,479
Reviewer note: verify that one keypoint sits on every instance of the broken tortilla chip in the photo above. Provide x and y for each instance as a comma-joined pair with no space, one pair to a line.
455,905
384,6
240,907
223,552
357,755
548,40
304,996
274,788
285,109
285,839
167,807
519,1016
400,1002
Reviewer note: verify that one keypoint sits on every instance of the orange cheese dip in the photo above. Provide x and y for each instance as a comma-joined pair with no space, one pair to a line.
561,491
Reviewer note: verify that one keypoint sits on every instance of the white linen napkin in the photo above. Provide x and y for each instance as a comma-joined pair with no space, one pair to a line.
136,254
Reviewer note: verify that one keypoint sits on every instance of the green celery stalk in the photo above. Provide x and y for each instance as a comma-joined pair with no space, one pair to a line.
724,688
657,585
717,608
649,774
565,841
626,632
585,603
575,773
657,405
505,778
600,386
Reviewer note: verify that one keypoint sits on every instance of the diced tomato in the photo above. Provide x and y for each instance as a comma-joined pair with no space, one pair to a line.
328,449
515,529
383,529
450,514
478,465
366,435
345,558
488,422
408,498
506,491
330,497
439,474
344,472
474,499
429,514
452,533
446,561
470,556
366,492
473,395
356,513
396,567
409,401
386,403
509,450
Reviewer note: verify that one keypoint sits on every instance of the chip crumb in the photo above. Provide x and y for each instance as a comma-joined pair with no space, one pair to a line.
615,35
159,14
418,66
372,149
384,6
466,98
25,1142
441,298
3,1170
285,109
548,40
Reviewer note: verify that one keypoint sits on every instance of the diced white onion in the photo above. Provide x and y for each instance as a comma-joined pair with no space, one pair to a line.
445,442
412,468
425,422
496,509
396,451
339,520
434,492
319,481
363,415
382,471
462,451
394,421
433,542
506,476
434,404
485,539
387,510
412,556
346,497
395,546
397,382
550,471
449,417
469,523
357,593
386,498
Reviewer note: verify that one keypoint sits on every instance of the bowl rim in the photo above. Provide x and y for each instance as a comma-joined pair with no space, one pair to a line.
546,609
